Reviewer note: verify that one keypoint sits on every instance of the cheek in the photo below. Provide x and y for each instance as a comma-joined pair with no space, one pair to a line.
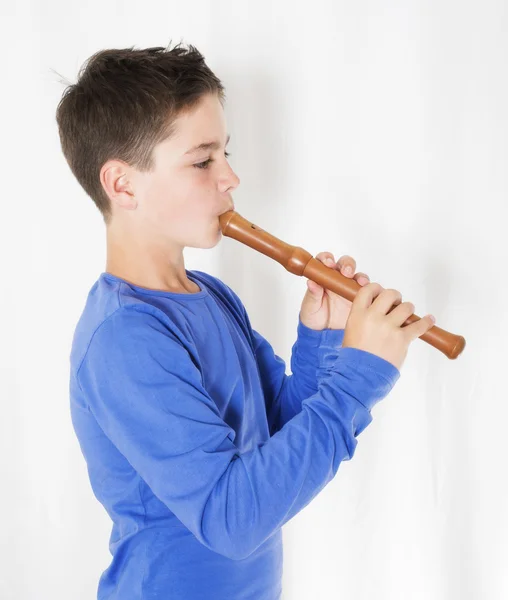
167,193
185,198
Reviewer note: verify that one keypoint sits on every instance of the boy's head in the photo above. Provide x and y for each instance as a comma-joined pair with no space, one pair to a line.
126,128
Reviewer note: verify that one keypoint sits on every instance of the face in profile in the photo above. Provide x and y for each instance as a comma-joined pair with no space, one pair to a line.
190,187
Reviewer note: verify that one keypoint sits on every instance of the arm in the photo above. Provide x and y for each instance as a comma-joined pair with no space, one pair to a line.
313,353
145,390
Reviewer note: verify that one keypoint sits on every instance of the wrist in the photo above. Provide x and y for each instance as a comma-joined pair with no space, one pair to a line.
320,337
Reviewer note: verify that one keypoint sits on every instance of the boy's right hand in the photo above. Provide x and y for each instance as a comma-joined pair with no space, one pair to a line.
373,326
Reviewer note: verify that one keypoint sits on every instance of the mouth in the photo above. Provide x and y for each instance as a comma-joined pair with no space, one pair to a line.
226,211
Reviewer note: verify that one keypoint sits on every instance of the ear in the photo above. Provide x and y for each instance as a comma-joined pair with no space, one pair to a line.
116,181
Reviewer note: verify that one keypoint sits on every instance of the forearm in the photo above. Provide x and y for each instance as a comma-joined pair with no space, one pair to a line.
312,355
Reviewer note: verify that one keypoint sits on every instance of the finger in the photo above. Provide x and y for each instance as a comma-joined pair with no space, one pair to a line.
362,278
384,302
347,265
400,313
418,328
314,287
366,295
325,257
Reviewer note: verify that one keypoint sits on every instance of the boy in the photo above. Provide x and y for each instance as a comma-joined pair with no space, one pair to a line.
197,443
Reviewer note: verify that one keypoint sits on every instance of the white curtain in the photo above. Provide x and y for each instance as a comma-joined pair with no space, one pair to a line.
373,129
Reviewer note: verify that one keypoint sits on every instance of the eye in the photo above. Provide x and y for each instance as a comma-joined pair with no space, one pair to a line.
205,164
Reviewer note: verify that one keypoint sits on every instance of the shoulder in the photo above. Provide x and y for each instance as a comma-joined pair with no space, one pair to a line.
132,329
144,325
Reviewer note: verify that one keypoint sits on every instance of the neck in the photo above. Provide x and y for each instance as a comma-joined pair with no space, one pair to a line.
147,264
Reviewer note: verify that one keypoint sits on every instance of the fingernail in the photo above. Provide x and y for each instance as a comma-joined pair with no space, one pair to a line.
432,318
348,270
329,262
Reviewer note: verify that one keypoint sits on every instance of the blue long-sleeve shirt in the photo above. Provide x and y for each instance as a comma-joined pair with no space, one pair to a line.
198,444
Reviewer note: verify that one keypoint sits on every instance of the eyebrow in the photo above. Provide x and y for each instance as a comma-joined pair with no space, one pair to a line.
207,146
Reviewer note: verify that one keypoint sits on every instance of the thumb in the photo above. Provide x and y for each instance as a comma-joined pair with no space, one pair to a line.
314,289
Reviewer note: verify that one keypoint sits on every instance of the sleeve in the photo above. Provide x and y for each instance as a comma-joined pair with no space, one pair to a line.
312,354
145,390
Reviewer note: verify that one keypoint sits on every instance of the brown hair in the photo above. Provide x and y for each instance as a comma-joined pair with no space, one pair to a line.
124,103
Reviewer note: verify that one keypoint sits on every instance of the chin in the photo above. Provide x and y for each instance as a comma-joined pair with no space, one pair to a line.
212,240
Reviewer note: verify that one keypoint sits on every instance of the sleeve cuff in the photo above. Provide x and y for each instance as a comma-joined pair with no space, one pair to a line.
321,347
362,359
323,337
327,343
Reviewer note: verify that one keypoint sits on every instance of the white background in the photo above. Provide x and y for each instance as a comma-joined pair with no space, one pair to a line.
374,129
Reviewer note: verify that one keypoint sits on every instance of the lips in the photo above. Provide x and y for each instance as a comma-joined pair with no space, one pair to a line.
228,209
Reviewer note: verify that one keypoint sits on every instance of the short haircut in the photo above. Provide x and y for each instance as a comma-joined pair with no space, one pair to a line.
124,103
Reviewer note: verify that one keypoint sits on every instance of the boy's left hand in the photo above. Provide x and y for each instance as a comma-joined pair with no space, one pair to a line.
322,308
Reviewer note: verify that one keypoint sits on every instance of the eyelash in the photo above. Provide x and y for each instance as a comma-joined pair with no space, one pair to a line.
204,165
